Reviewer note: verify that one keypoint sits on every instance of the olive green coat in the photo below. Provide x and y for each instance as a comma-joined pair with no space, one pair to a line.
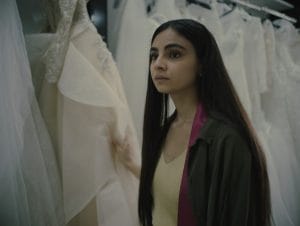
219,176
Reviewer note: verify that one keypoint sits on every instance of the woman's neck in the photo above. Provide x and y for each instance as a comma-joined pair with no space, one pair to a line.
186,106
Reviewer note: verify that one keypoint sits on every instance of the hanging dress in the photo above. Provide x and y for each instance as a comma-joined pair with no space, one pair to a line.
232,50
92,114
86,110
30,191
279,138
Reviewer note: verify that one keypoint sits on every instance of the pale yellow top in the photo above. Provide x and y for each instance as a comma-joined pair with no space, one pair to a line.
166,185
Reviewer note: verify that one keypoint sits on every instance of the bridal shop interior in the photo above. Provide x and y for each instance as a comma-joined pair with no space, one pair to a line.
74,80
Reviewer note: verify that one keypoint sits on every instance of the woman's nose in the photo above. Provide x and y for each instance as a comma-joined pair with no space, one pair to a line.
159,64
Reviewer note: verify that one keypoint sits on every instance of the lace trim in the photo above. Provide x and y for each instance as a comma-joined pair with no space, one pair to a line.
55,55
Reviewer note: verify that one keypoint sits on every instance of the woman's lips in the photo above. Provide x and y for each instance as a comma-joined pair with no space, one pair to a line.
160,78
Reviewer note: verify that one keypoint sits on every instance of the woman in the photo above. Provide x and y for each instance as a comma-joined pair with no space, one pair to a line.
202,165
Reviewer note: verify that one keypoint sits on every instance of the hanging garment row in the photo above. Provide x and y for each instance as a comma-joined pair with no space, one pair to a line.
262,63
87,100
83,104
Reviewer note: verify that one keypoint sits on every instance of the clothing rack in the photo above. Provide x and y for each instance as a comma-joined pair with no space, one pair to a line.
265,9
278,14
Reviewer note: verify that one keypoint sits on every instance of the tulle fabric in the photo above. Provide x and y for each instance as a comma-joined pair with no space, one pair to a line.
30,186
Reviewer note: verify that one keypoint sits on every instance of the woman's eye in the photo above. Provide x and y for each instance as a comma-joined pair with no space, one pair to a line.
153,56
174,54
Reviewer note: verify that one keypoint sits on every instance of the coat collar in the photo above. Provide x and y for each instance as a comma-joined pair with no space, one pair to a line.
209,127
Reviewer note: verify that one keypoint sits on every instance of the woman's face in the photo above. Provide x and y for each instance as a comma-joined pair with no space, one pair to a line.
173,63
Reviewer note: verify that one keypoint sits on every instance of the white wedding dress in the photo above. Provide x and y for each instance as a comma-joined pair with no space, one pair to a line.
232,50
92,113
285,195
255,67
288,37
86,111
208,17
30,191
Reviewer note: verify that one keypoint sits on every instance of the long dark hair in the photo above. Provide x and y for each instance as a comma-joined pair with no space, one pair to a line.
217,94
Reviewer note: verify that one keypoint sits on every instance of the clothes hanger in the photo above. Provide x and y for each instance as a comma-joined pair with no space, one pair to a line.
150,6
233,7
203,3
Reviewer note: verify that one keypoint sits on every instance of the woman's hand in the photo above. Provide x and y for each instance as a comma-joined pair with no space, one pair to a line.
125,153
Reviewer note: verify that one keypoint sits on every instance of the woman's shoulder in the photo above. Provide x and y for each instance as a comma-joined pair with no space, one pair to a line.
219,128
217,123
228,138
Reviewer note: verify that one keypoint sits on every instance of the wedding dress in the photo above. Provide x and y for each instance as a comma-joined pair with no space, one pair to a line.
167,8
86,111
30,191
92,113
282,189
287,37
255,67
232,50
285,202
268,114
208,17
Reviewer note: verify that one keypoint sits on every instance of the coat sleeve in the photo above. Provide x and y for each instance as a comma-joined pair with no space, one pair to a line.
229,195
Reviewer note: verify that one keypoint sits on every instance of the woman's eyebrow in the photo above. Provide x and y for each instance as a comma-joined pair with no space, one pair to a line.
168,46
174,45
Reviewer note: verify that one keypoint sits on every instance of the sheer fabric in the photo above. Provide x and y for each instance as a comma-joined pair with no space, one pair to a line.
30,185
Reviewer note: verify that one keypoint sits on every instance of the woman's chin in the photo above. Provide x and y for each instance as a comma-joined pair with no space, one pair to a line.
163,91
